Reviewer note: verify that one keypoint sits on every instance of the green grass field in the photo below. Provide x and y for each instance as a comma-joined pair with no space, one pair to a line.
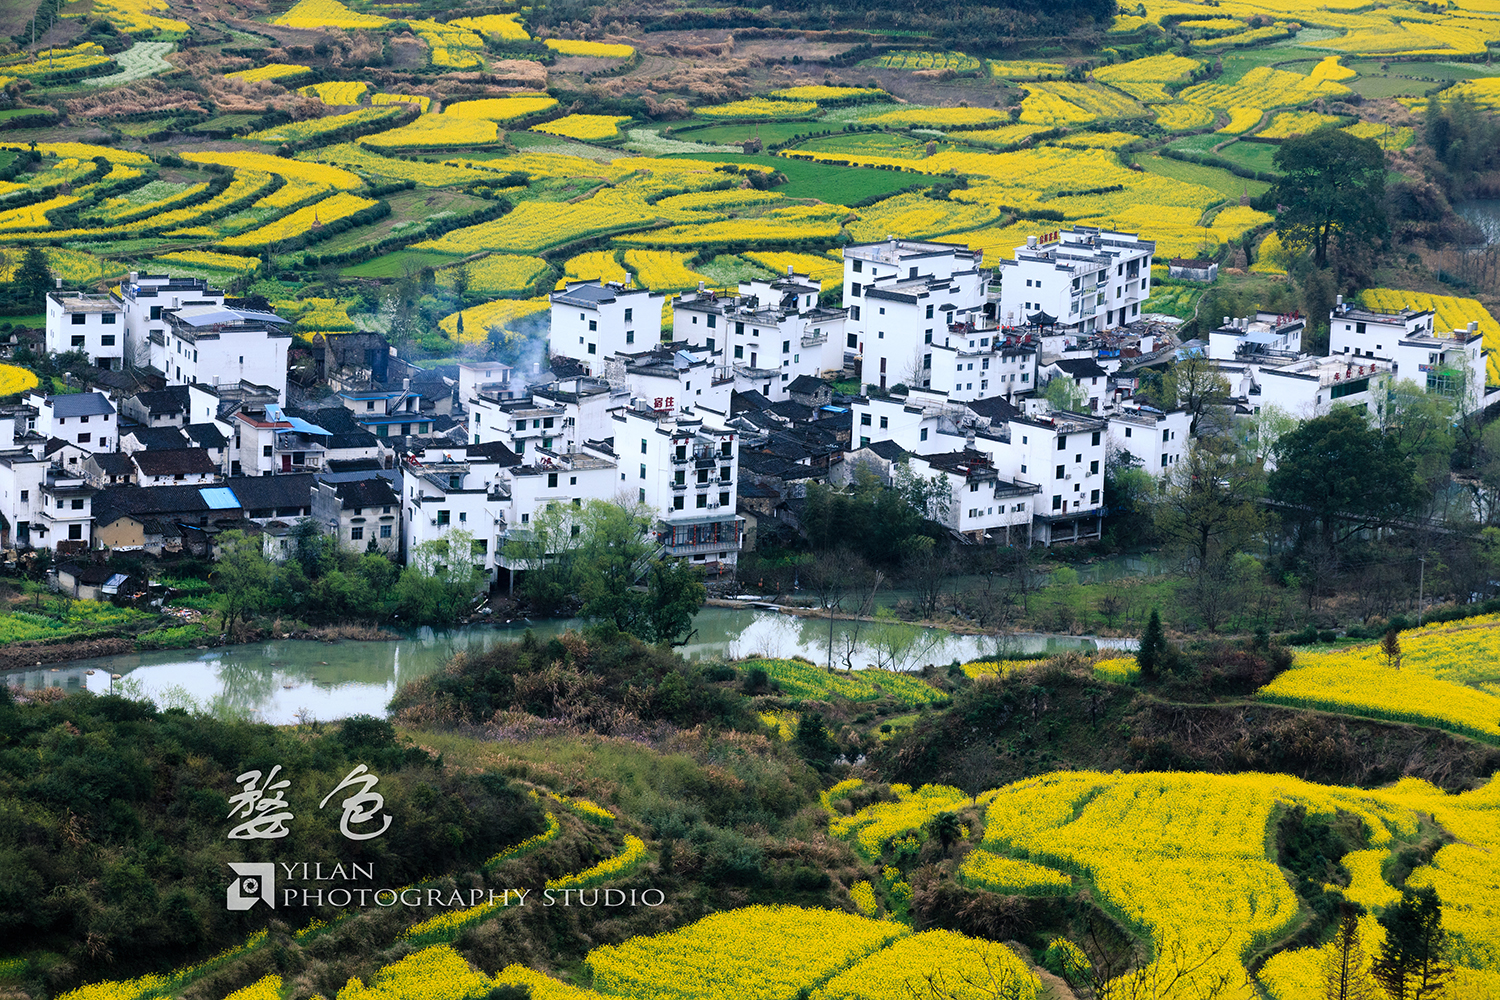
1255,155
836,185
395,265
224,123
767,132
870,144
1219,180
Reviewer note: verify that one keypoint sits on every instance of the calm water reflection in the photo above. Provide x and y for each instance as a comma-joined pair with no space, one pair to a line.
283,680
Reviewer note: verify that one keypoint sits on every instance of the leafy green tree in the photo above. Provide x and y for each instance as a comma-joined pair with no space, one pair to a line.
1208,505
812,742
1065,394
614,553
1332,190
947,828
34,277
1413,963
1423,425
440,580
674,593
1337,473
241,578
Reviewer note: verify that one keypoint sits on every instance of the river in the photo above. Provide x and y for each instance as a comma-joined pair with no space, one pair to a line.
286,681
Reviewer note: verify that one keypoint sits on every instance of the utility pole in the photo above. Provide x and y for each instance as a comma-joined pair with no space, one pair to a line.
1421,583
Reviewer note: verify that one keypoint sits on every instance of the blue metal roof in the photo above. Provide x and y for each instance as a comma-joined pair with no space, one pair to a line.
219,498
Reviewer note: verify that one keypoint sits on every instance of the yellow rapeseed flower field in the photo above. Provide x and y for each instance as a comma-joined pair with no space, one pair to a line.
83,151
819,93
586,128
311,128
1025,69
335,92
314,173
1180,117
500,313
435,130
506,27
758,107
629,858
663,270
725,956
436,973
536,226
330,209
73,266
500,109
596,265
1263,87
598,50
136,17
327,14
270,71
14,380
1064,103
1289,123
827,272
1430,686
1146,79
935,962
498,274
33,216
1011,877
213,261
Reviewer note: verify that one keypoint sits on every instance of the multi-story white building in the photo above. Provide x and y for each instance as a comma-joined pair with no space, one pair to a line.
1311,387
1274,338
1155,439
768,326
671,378
684,465
146,299
93,324
86,420
891,261
1062,455
484,378
22,473
450,488
217,346
363,514
592,321
983,506
267,441
65,515
1450,363
1081,280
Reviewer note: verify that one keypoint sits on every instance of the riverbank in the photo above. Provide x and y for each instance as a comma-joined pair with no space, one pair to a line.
957,626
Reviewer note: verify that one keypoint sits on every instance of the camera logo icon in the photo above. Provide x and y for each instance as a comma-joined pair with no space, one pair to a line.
254,881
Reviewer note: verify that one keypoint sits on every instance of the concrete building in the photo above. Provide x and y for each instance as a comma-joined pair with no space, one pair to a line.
1155,439
1448,362
1265,338
592,321
83,321
146,299
443,489
684,465
984,506
86,420
1311,387
1080,280
364,515
215,345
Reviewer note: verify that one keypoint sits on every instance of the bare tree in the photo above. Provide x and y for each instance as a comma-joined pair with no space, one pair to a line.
993,981
1176,974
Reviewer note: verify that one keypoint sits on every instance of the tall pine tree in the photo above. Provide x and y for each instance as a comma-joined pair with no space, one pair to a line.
1413,964
1152,655
1345,976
